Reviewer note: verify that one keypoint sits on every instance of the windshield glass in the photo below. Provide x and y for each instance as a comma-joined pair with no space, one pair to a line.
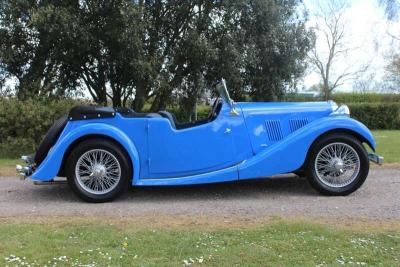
223,91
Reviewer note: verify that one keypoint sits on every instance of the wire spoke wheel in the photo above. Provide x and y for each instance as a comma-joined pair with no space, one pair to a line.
337,165
98,171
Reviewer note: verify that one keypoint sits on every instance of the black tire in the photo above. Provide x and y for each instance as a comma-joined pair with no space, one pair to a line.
114,149
322,187
50,139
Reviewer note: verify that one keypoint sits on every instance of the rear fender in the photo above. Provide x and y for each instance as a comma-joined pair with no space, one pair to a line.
50,167
290,153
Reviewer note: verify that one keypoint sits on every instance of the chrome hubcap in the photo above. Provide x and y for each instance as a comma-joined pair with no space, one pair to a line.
98,171
337,165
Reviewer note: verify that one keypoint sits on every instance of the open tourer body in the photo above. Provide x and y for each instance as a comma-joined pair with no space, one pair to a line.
103,150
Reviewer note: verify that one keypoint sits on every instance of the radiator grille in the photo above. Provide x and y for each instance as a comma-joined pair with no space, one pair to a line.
296,124
274,130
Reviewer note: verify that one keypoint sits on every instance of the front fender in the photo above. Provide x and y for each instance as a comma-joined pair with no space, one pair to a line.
49,168
290,153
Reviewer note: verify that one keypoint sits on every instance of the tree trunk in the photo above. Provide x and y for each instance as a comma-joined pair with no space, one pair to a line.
140,98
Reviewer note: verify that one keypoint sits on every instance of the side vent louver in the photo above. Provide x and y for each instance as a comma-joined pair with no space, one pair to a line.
274,130
296,124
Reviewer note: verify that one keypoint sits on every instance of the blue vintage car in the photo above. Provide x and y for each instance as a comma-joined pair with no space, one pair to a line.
103,150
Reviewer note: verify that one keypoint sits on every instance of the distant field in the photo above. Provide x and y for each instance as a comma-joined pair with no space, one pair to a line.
281,243
388,145
7,166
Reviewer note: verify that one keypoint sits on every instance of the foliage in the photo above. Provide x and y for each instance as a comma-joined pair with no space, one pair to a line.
348,98
125,50
391,8
392,75
377,115
24,123
365,98
277,42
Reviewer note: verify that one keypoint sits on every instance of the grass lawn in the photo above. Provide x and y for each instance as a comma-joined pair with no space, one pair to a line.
388,145
281,243
7,166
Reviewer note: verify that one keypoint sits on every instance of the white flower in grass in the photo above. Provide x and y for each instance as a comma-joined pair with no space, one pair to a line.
340,261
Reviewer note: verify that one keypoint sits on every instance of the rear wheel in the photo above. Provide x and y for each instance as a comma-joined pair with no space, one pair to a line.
337,164
98,170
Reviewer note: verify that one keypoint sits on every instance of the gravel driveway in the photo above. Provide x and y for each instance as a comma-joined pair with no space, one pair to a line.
378,198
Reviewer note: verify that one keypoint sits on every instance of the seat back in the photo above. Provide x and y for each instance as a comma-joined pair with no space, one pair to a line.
169,116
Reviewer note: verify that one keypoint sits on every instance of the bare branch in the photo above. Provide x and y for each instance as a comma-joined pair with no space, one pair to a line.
331,27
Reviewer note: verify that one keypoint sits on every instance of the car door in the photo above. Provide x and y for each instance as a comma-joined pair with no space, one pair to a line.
199,149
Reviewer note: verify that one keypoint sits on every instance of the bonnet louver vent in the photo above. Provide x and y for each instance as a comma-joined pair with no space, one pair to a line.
296,124
274,130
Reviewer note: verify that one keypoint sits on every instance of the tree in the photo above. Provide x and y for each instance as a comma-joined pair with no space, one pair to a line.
392,76
331,46
129,52
277,45
391,8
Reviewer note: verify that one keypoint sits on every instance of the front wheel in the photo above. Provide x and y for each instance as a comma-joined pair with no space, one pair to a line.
337,164
98,170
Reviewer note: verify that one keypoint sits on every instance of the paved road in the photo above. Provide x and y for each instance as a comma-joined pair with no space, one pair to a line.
379,198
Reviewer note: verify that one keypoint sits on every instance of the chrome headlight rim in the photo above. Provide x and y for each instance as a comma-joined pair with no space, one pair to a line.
342,110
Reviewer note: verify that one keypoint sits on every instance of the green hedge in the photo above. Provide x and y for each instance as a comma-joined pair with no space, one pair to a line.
349,98
365,98
377,116
23,123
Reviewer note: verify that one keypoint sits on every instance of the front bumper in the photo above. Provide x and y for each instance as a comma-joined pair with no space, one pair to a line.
26,171
375,158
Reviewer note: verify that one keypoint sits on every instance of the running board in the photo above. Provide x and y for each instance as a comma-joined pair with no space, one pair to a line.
49,182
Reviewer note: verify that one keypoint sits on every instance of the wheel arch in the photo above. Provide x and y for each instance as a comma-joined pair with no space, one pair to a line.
353,133
84,138
73,135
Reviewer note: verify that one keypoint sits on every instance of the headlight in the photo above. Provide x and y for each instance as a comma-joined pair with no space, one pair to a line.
333,105
342,110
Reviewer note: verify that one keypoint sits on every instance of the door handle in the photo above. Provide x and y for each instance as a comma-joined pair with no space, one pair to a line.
228,130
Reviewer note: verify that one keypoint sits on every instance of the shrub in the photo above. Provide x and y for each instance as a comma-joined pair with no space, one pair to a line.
377,115
348,98
24,123
365,98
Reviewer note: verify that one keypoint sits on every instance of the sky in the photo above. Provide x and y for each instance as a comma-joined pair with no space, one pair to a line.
367,33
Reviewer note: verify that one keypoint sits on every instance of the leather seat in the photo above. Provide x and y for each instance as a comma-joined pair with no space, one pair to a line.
171,117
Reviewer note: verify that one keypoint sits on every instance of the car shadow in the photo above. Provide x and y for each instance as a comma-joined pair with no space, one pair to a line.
247,189
258,188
